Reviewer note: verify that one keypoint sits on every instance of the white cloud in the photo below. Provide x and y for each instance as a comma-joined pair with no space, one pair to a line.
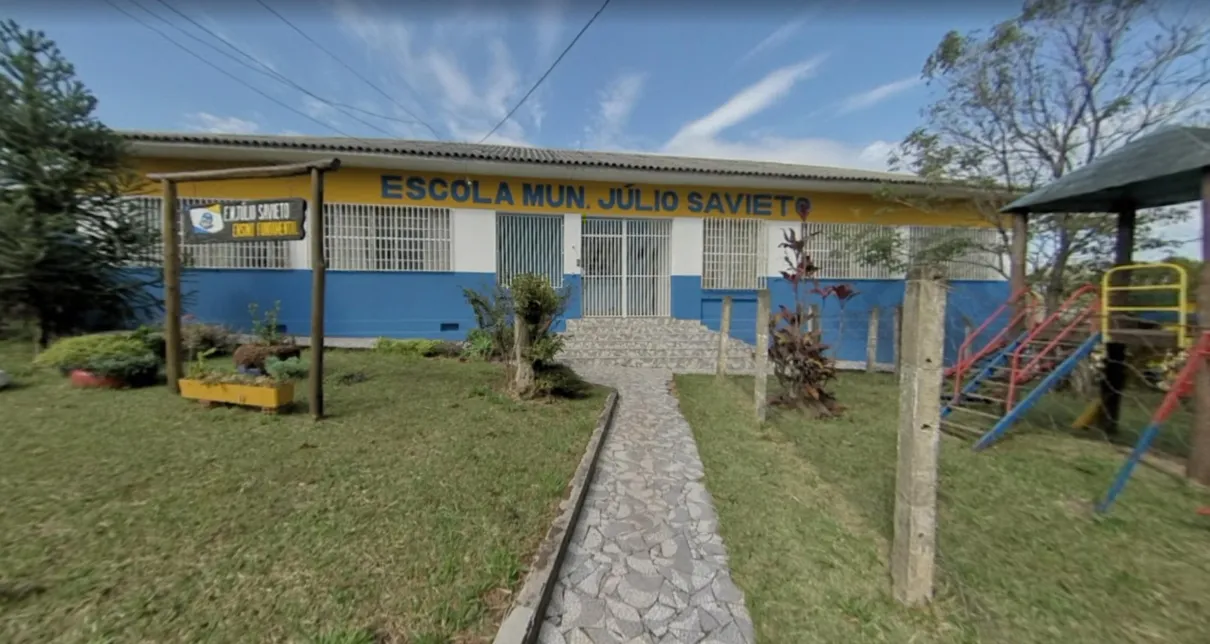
607,130
206,122
550,27
876,95
779,36
701,138
466,98
749,101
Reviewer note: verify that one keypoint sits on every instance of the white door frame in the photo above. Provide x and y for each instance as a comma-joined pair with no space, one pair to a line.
614,250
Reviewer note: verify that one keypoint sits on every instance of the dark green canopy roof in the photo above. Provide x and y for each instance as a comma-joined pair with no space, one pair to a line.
1160,169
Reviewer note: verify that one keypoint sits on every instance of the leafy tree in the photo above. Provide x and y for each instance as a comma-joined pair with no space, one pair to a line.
66,238
1037,96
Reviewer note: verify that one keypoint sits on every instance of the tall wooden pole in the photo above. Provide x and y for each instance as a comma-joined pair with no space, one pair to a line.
724,330
318,279
172,287
1198,467
1017,252
1113,378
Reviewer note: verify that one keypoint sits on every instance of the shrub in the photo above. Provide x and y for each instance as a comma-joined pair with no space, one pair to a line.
152,338
561,381
800,364
252,357
419,348
493,314
198,338
286,370
114,355
266,328
480,345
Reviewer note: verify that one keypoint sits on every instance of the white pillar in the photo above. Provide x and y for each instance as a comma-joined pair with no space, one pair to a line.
686,246
572,247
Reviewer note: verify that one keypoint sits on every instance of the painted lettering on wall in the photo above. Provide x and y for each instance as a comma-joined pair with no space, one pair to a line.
600,198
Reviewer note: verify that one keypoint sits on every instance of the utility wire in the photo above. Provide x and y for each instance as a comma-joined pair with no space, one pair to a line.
237,79
548,71
351,69
264,69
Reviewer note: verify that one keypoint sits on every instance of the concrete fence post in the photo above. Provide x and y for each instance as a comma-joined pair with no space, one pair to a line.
913,549
871,342
724,331
897,339
761,372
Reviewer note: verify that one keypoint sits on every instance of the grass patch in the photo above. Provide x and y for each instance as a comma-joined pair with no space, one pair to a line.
806,510
406,516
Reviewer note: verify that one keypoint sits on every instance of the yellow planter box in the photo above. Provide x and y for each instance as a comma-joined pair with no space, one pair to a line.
263,396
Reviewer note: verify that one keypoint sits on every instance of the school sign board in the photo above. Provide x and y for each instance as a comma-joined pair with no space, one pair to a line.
253,220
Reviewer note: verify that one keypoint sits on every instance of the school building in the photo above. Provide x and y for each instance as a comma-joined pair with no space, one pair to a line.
409,224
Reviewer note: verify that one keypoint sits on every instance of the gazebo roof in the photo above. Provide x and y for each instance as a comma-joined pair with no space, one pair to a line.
1160,169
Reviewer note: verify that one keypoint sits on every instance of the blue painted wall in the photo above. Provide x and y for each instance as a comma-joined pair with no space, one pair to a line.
359,303
975,300
417,305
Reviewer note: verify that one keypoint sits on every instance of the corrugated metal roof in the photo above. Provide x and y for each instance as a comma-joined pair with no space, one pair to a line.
1160,169
518,154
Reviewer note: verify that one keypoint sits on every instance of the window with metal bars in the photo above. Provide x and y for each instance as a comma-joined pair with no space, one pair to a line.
734,254
529,244
258,254
363,237
974,250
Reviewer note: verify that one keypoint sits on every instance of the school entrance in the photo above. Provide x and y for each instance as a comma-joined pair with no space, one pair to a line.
626,267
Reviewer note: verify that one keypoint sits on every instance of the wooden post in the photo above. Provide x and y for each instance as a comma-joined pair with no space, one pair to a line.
1198,465
898,339
1016,258
172,288
913,549
319,268
761,375
871,342
816,325
172,260
1113,379
720,369
523,377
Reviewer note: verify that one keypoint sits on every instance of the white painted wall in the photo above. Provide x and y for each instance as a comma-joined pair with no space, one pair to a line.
474,240
686,245
777,256
572,225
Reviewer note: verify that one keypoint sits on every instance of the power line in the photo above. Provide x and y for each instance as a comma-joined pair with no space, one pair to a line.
264,69
237,79
351,69
548,71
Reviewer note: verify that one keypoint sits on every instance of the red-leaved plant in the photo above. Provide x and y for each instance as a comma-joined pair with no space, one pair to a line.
800,364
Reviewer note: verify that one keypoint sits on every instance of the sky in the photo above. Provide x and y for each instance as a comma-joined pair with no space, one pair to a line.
822,82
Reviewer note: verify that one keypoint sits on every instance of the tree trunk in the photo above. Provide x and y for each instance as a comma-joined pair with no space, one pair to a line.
1055,282
523,380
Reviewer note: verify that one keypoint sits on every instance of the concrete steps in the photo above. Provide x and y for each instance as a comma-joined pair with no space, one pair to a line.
683,346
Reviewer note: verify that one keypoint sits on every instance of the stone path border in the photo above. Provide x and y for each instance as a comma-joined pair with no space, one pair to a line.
646,563
523,622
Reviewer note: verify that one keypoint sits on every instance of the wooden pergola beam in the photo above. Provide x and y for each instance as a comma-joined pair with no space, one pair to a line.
258,172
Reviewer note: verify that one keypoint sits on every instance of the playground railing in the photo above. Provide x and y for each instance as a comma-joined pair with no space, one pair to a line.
1083,314
1023,298
1109,304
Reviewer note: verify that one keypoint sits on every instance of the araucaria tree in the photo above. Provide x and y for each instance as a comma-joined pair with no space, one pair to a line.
1039,95
799,357
66,240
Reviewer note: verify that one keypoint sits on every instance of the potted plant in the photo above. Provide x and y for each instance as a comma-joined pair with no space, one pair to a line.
271,391
271,342
108,360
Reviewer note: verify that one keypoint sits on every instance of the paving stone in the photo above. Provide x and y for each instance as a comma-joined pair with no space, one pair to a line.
646,563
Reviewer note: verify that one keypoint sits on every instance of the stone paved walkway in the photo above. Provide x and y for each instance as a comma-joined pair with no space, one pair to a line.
646,562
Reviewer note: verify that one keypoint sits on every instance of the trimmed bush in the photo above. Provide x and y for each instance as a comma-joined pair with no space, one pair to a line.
112,355
418,348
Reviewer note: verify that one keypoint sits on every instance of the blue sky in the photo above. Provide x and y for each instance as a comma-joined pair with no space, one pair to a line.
806,82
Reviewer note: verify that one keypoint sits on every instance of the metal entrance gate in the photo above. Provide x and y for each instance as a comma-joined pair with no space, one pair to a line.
626,268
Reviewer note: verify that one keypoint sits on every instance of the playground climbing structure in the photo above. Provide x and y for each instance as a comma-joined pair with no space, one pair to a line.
1018,355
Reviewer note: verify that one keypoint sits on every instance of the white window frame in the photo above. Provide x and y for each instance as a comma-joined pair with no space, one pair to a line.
735,254
529,243
381,238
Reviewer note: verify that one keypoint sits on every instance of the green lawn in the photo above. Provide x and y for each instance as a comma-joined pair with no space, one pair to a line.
138,516
806,512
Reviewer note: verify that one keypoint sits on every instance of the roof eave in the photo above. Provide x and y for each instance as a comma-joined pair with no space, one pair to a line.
242,153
